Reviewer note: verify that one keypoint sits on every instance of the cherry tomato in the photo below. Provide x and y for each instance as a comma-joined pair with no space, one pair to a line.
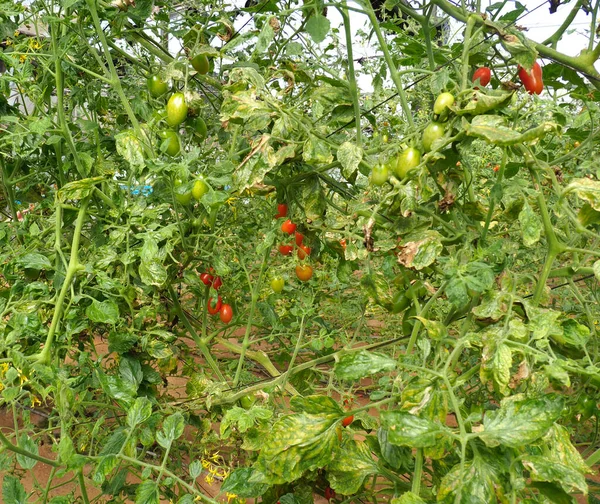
282,210
213,310
288,227
303,251
226,313
206,279
576,144
277,284
170,143
157,86
200,63
431,133
532,81
379,174
199,189
176,110
299,238
216,283
347,421
343,243
483,74
285,249
442,102
200,128
408,160
329,493
304,272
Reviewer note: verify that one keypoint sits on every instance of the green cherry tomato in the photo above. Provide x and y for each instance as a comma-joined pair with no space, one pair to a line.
199,189
432,132
200,64
170,143
379,174
183,194
247,401
408,160
442,102
200,128
176,110
277,284
157,86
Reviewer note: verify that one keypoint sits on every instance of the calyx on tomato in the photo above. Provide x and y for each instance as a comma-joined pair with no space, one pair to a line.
532,80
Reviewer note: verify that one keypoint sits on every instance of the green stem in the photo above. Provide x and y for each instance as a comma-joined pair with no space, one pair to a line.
557,35
418,472
17,449
295,354
465,54
82,487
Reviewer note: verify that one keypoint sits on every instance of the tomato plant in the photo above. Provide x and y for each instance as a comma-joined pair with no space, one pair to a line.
304,272
157,86
226,313
482,75
177,110
407,161
532,80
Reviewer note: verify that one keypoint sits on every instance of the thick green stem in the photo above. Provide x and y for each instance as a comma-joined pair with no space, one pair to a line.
465,55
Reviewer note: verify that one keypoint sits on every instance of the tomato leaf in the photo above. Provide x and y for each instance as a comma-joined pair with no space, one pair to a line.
13,491
542,469
477,481
147,493
405,429
353,463
238,482
420,250
349,155
355,366
317,27
586,189
531,226
315,405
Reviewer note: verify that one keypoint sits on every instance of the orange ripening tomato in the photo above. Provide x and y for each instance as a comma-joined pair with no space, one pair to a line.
285,249
532,81
348,420
288,227
303,251
226,313
299,238
304,272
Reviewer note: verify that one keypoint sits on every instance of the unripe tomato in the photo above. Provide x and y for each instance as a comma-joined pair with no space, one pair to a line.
200,63
170,143
431,133
157,86
303,252
277,284
285,249
200,128
379,174
304,272
299,238
288,227
442,102
214,309
483,74
176,110
408,160
226,313
199,189
183,194
532,81
347,421
247,401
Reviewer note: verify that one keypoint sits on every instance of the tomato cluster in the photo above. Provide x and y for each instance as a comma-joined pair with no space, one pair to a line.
224,310
304,272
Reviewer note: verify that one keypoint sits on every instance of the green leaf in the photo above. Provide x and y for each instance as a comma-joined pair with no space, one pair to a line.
130,148
520,422
78,189
492,129
531,226
13,491
542,469
420,250
35,261
477,483
172,429
355,366
352,464
147,493
104,312
520,49
316,151
296,443
496,361
405,429
244,419
349,155
408,498
238,482
139,412
315,405
480,103
265,37
28,444
317,27
152,270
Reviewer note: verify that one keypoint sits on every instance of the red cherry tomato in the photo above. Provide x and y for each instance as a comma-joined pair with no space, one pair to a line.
206,279
217,282
299,238
532,81
285,249
303,251
213,310
348,420
282,210
226,313
329,493
343,243
484,75
288,227
304,272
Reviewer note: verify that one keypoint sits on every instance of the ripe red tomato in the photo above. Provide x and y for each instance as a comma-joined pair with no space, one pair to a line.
304,272
206,279
347,421
282,210
303,251
532,81
329,493
285,249
343,243
217,282
288,227
299,238
226,313
484,74
213,310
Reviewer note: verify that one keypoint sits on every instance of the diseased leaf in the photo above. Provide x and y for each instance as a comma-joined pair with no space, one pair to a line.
542,469
477,483
350,156
348,470
357,365
405,429
586,189
420,250
531,226
238,482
